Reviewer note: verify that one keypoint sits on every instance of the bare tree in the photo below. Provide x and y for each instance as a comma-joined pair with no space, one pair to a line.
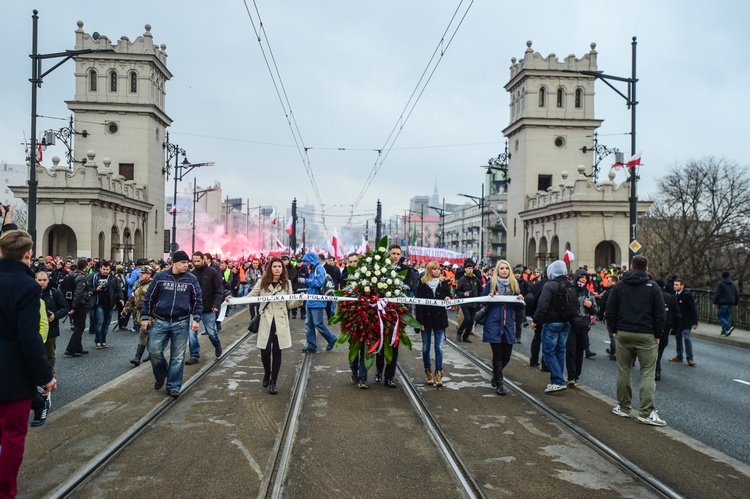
21,215
699,225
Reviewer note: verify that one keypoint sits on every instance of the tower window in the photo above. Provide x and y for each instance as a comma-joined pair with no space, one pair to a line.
560,97
113,81
579,97
542,97
133,82
92,80
544,182
127,170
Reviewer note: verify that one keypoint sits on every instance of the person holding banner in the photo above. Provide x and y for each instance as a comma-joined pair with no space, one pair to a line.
434,319
315,308
274,333
500,323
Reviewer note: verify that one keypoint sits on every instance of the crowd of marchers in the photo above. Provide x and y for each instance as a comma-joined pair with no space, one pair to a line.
169,301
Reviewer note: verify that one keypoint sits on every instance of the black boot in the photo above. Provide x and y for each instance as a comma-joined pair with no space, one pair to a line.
493,381
138,354
497,367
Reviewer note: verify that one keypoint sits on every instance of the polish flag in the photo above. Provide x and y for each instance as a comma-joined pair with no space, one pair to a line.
173,211
288,229
362,247
280,245
634,161
568,256
335,244
273,216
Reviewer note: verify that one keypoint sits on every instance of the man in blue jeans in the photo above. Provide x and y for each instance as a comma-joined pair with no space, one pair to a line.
726,297
106,292
556,328
315,319
173,298
212,290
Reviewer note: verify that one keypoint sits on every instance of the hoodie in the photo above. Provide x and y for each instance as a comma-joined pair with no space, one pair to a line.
316,280
636,305
546,312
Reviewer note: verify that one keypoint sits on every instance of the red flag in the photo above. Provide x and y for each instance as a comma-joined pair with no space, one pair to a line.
273,217
634,161
280,245
568,256
288,229
335,244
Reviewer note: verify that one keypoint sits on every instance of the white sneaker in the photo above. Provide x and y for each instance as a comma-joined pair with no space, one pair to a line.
619,412
554,388
653,419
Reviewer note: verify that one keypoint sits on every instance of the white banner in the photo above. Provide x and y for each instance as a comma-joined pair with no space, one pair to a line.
403,300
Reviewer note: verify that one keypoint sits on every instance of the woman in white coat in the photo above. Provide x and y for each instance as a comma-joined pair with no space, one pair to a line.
273,332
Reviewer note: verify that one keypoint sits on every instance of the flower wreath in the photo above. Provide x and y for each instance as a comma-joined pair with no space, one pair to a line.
372,321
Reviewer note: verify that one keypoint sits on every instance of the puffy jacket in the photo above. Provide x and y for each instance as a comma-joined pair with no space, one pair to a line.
583,321
636,305
500,322
173,297
471,285
316,280
546,310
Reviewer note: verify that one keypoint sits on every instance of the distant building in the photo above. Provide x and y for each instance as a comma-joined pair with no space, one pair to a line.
11,175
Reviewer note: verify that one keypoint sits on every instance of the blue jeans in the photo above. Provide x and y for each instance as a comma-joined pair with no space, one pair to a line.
724,314
244,289
358,366
684,335
176,334
315,321
426,343
209,323
102,316
554,338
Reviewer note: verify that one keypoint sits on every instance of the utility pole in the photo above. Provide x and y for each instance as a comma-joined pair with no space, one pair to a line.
293,236
378,221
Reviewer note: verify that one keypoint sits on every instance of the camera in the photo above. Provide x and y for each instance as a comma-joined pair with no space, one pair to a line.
6,207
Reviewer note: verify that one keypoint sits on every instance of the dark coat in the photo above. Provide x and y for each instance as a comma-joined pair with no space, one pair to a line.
673,315
547,311
432,317
114,289
688,311
500,322
56,304
636,305
727,293
173,297
23,364
471,285
212,287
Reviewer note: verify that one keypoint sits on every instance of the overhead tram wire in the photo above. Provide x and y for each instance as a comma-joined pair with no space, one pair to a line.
412,101
283,99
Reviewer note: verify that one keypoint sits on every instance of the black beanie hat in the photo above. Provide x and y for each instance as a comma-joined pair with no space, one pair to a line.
180,256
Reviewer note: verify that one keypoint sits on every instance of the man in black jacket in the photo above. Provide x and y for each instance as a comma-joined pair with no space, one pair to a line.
106,292
469,286
212,291
672,319
725,298
635,316
688,322
77,312
23,364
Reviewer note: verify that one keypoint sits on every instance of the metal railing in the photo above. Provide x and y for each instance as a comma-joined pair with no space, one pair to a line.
704,299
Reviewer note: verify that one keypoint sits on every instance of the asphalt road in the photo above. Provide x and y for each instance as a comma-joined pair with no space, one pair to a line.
707,402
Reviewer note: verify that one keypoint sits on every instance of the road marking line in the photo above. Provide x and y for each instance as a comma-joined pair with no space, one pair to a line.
743,382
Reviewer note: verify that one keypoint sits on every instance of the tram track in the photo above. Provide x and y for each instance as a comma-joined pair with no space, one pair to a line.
640,475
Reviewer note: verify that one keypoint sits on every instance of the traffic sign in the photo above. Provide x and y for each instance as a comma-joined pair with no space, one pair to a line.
635,246
174,247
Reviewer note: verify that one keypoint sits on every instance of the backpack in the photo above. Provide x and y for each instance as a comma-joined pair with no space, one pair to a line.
328,287
68,286
567,300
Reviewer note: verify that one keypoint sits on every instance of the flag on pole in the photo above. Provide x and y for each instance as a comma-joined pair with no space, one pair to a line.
634,161
288,229
414,237
280,245
568,256
273,216
362,247
335,244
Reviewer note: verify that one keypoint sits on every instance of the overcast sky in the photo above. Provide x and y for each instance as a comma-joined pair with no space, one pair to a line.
349,68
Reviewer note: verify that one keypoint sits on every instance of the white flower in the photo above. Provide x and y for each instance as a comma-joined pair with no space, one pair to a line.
376,267
389,281
367,289
368,273
356,275
397,292
388,294
374,279
377,257
368,259
378,273
394,273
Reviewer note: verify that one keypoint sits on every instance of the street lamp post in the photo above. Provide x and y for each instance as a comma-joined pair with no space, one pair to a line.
631,102
441,213
37,76
197,196
479,201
